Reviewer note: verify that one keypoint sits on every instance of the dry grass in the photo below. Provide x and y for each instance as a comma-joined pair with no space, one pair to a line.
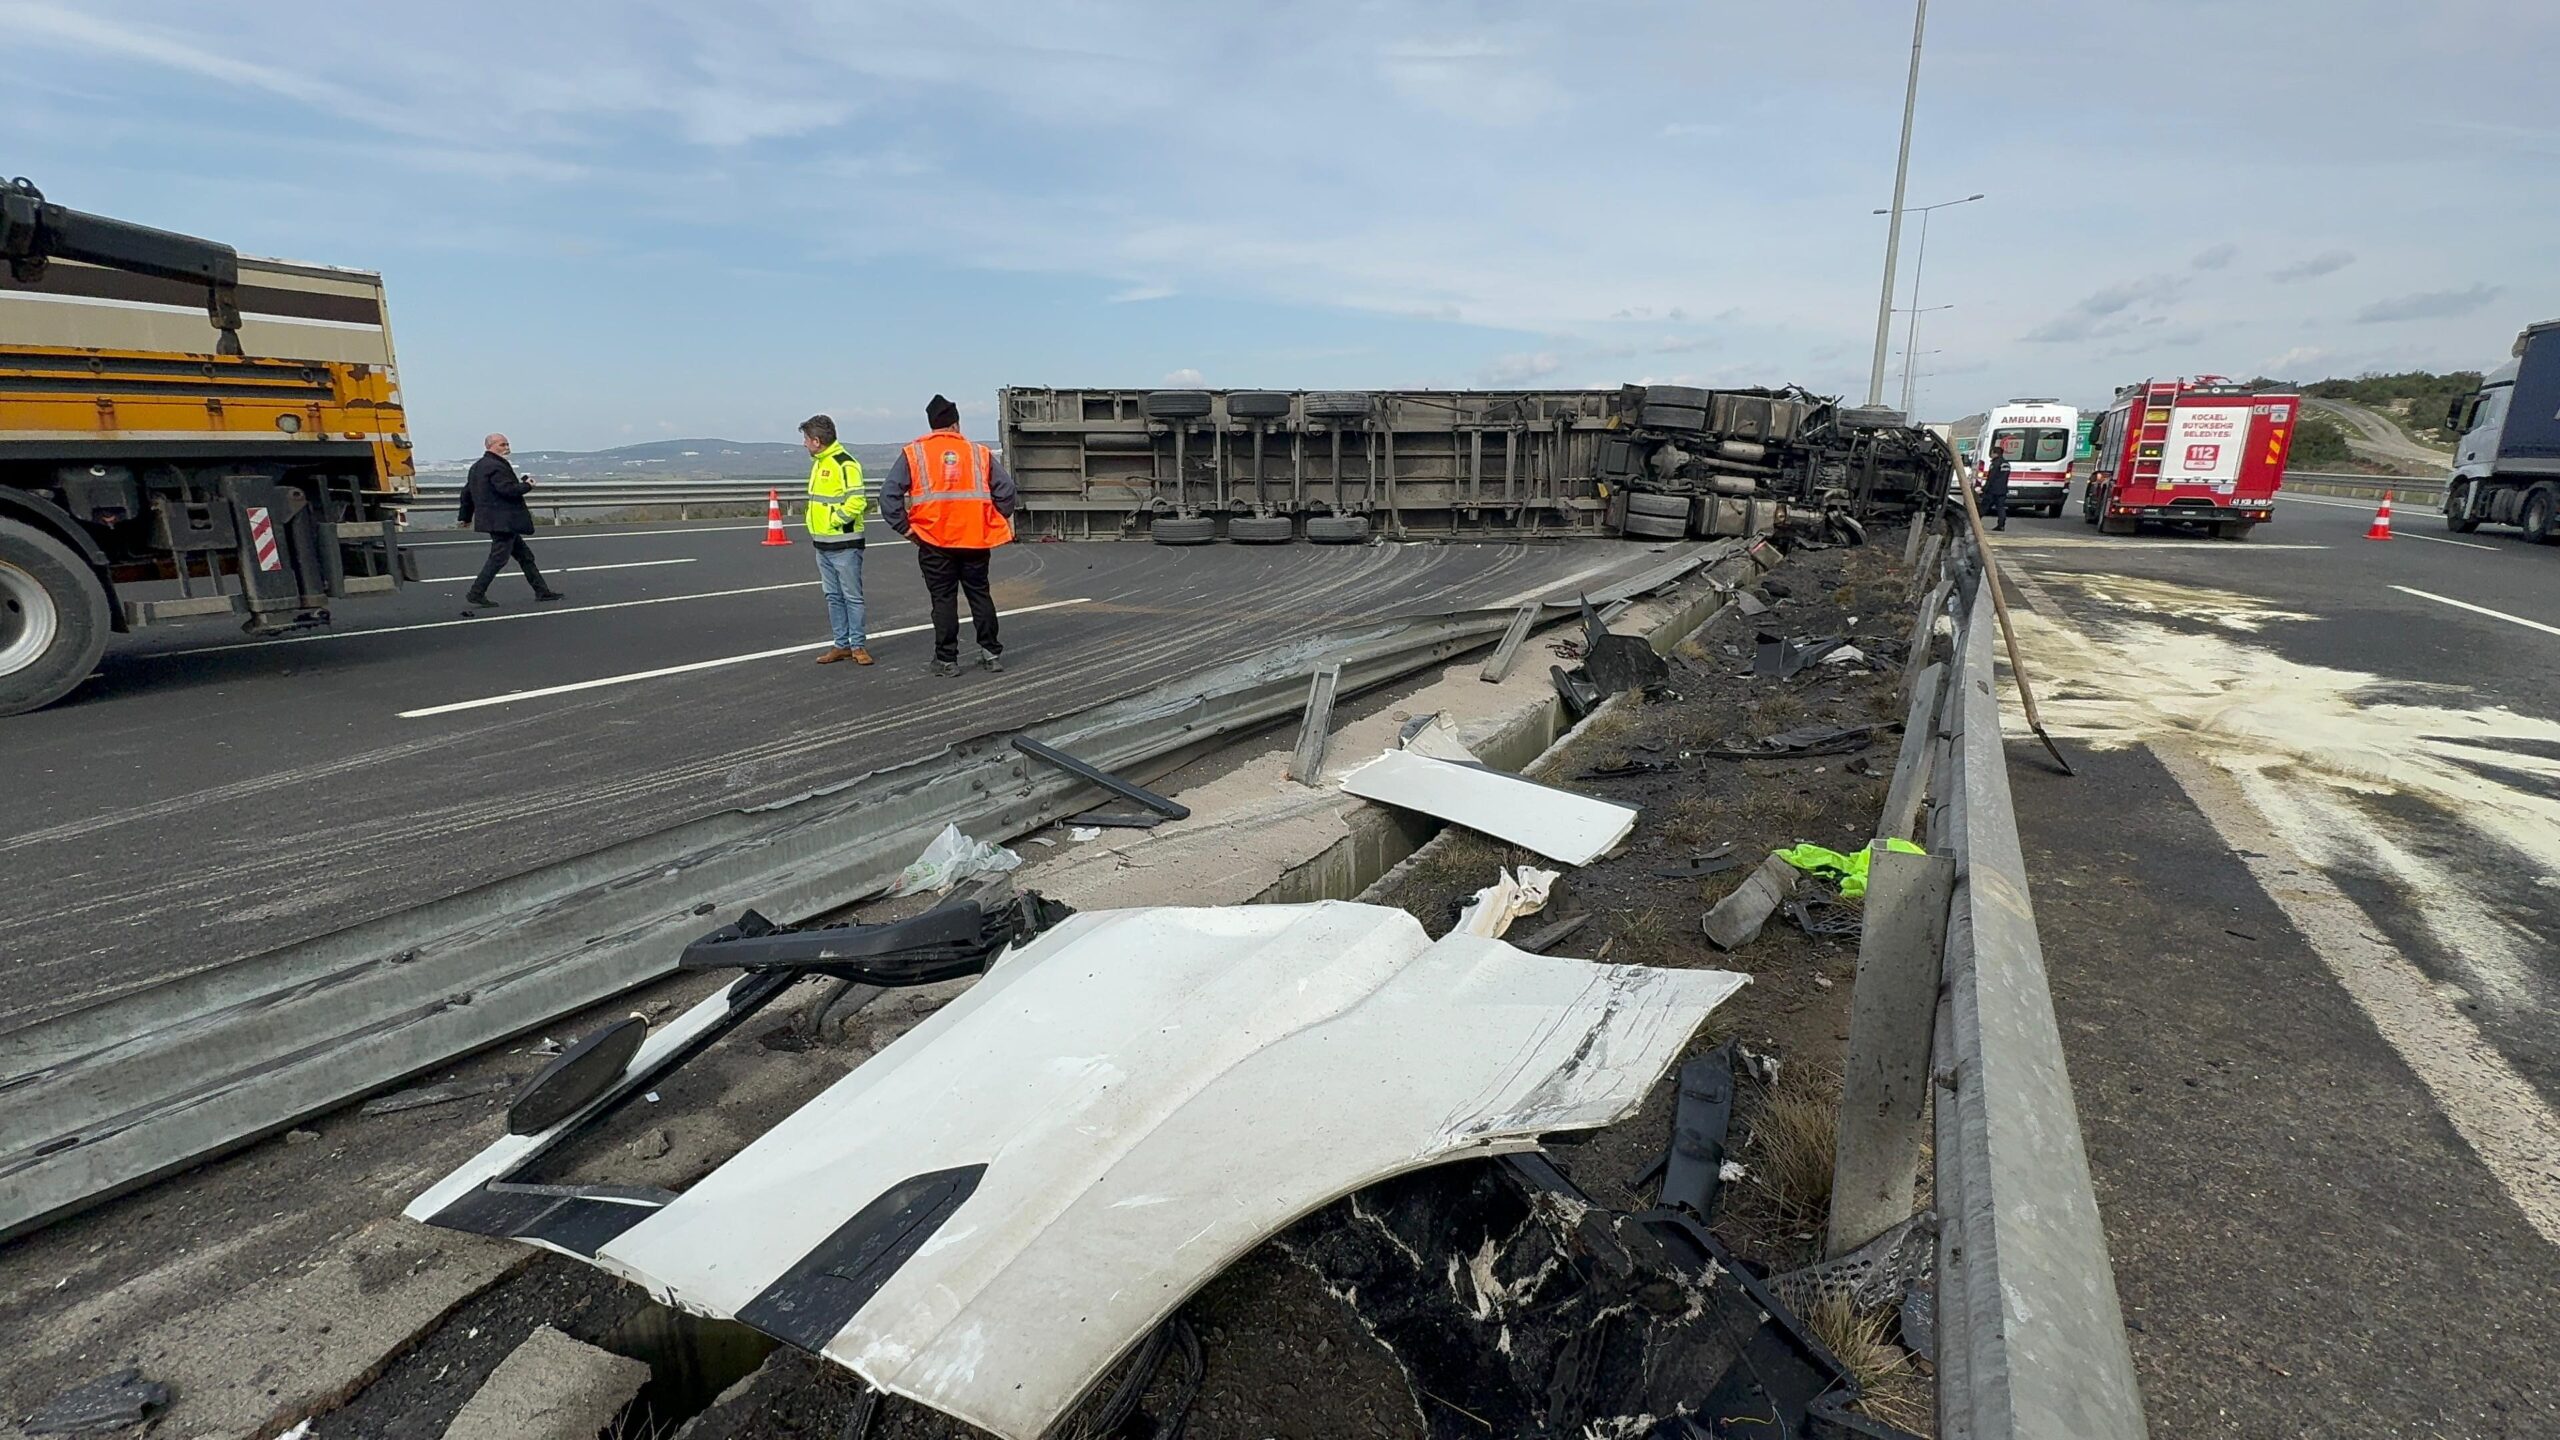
1781,709
1792,1142
1647,935
1891,1387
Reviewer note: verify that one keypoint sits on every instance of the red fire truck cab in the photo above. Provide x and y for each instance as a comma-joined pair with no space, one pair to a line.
2206,451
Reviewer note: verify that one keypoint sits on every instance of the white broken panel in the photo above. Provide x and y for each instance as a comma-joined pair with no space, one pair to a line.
1558,824
987,1214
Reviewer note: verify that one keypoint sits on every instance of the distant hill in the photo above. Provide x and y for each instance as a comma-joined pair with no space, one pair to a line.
677,460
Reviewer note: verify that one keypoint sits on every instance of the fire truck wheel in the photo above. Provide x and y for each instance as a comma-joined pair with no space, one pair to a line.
2118,524
2457,500
2234,529
2537,517
53,618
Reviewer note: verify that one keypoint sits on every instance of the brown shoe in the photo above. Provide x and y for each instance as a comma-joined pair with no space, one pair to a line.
834,653
860,656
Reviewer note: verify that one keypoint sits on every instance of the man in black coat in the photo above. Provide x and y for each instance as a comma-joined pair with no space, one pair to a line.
493,504
1995,488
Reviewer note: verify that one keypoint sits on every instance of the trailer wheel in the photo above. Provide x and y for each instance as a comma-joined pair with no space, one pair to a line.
1672,507
1655,527
1182,530
53,619
1338,529
1258,404
1262,529
2537,517
1176,404
2457,500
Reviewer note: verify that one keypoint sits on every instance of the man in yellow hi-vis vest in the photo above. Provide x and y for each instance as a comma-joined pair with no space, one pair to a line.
834,510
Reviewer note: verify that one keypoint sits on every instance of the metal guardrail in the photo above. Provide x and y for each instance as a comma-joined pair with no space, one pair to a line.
2416,489
1952,1013
683,496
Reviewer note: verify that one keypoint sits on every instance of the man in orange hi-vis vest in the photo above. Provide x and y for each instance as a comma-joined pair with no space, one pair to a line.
954,499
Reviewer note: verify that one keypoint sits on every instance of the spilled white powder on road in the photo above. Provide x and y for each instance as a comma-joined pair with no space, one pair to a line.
2310,746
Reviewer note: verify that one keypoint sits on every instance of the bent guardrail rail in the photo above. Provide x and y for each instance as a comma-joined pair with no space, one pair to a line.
1952,1014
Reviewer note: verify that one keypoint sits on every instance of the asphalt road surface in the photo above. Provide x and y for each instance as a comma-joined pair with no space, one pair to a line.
2301,910
209,796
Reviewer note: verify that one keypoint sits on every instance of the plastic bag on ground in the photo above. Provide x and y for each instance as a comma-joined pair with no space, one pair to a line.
1506,900
952,858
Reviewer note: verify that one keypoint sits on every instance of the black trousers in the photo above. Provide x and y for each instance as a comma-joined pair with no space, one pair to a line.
947,573
503,548
1997,502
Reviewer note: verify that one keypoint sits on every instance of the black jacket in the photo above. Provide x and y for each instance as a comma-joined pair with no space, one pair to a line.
1995,481
493,498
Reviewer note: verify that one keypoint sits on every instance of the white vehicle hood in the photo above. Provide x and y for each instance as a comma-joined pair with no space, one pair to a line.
985,1215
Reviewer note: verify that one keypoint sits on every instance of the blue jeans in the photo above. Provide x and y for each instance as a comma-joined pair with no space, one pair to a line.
840,575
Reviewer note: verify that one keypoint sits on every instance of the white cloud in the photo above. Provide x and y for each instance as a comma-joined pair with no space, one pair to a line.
2312,267
1185,376
2216,257
2429,305
1518,369
1137,293
2295,363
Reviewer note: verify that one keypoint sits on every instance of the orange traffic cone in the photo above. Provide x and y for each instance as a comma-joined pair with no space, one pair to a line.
773,519
2381,527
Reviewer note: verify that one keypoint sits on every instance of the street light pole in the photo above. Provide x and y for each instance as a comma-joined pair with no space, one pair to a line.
1919,266
1911,338
1893,228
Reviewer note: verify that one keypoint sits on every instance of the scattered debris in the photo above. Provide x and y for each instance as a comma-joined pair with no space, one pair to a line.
1558,824
1714,862
1507,899
1159,809
1547,937
1236,1120
1736,919
300,1136
427,1095
1826,918
1315,726
1626,769
1580,696
1805,741
1615,662
1694,1167
1849,872
110,1402
1874,1275
952,858
1846,655
653,1145
576,1076
1780,658
1752,606
1082,833
1920,1319
1434,736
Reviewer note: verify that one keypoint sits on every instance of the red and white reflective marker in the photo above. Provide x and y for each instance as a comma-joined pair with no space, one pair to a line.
262,535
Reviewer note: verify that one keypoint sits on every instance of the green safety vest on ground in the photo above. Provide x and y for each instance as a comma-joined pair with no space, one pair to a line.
836,504
1849,871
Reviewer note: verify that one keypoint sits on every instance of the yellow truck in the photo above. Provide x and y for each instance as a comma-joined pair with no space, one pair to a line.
184,432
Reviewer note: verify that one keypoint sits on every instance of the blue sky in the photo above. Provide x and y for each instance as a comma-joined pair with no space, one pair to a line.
606,223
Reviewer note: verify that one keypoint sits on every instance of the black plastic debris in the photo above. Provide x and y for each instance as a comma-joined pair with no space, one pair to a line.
1830,919
1804,741
1624,769
1580,696
576,1076
1920,1320
426,1095
1778,657
1693,1168
1713,862
955,938
1157,809
1547,937
110,1402
1614,662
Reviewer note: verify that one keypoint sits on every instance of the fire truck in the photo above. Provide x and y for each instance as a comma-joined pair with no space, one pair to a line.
2206,452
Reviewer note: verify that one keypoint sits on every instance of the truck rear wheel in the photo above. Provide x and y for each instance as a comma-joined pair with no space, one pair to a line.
53,619
2537,517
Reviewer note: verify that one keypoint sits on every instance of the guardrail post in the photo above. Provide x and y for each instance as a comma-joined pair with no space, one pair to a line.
1916,763
1911,543
1884,1086
1306,766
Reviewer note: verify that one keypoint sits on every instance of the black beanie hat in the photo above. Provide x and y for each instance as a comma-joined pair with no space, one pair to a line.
940,413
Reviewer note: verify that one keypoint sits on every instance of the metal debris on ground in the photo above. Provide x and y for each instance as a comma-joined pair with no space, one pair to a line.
1846,655
1627,769
427,1095
1693,1169
1617,663
1736,919
110,1402
1778,657
1158,809
1558,824
1581,697
1920,1319
1712,862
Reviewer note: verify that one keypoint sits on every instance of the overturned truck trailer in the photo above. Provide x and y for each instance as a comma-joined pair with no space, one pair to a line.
1188,467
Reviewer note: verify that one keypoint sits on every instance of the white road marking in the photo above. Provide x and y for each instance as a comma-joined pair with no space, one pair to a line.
2396,534
663,671
568,570
2480,610
2490,1103
2367,505
475,620
559,533
2138,542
